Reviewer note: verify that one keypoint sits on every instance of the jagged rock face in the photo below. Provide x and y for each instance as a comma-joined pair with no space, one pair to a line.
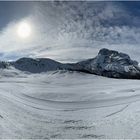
111,63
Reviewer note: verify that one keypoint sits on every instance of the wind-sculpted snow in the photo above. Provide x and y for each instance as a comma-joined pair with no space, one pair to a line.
107,63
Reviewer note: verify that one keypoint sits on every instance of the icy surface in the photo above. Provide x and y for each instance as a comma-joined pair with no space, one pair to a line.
62,104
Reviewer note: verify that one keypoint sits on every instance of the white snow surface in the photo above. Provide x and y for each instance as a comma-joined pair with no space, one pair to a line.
62,104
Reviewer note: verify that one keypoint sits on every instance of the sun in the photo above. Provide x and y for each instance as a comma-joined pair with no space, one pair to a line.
24,29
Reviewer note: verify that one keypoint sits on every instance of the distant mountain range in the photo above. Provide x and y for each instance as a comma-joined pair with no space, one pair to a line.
108,63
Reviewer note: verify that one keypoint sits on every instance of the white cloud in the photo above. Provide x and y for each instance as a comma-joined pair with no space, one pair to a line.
72,31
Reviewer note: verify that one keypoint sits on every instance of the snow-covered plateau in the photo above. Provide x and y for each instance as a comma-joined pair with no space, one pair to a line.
67,104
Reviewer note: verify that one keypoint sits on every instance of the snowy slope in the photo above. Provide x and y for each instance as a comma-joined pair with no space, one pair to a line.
64,104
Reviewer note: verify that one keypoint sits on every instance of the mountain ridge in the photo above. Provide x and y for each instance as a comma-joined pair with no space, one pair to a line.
108,63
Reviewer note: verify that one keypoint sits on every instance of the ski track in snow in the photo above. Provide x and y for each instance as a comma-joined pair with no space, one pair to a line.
69,105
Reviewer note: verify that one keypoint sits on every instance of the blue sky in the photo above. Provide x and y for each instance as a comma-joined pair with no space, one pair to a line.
69,31
10,11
